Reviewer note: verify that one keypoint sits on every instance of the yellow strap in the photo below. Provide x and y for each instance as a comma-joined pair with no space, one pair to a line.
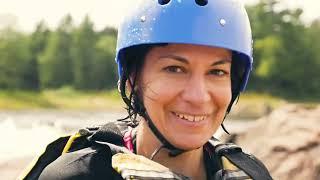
28,169
70,141
227,165
30,166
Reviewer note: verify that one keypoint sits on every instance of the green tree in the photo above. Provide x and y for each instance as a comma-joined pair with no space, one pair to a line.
39,40
313,44
56,61
109,31
281,51
105,72
84,56
14,60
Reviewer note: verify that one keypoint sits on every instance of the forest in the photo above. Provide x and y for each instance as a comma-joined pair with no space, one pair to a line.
286,55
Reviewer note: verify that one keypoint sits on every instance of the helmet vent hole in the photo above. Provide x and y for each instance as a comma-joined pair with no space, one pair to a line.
202,2
163,2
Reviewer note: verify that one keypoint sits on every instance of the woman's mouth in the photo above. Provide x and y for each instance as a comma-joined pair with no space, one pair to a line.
190,117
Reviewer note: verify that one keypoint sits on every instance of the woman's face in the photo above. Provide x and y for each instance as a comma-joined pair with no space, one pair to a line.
186,90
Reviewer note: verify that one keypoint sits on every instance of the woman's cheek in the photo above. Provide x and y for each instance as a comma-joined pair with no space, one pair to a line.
162,88
223,96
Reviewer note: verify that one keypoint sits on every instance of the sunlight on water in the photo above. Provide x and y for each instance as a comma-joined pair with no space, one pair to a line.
21,142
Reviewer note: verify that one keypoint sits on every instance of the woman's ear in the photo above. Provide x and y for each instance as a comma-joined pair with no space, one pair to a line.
132,84
129,85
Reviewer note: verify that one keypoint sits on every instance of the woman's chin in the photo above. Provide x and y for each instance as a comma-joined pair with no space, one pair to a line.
189,143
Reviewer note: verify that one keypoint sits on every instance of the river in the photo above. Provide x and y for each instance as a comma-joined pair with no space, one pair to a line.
25,133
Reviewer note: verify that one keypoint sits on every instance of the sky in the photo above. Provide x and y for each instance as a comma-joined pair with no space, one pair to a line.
25,14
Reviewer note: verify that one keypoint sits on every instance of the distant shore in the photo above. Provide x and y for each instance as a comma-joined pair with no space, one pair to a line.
63,98
250,105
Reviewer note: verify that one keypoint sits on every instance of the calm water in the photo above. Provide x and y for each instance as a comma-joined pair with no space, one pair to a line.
25,133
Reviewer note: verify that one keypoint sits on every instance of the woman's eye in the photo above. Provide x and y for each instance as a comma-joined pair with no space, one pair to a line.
218,72
174,69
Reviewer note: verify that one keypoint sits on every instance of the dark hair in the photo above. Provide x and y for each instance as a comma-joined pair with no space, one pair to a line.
238,70
132,61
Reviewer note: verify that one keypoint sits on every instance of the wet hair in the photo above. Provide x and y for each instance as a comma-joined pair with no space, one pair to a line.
132,62
238,71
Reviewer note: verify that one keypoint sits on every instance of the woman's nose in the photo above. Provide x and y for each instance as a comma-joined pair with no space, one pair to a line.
195,91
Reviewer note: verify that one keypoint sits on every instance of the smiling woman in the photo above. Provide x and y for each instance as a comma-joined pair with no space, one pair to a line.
186,89
179,78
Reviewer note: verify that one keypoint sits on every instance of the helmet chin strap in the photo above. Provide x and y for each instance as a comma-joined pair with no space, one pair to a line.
173,151
235,97
141,110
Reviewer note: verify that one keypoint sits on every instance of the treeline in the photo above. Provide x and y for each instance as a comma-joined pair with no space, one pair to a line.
286,52
69,56
286,55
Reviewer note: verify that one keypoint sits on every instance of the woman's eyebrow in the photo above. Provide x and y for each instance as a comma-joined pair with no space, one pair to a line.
175,57
184,60
223,61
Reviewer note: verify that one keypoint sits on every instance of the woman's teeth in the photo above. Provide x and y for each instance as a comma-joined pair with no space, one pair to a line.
190,118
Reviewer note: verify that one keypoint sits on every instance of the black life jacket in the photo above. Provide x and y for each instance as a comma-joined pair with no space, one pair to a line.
236,164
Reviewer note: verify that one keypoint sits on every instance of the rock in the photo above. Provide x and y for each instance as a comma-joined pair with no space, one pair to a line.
249,110
287,141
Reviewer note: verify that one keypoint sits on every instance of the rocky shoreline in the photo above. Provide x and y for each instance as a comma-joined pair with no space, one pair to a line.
287,140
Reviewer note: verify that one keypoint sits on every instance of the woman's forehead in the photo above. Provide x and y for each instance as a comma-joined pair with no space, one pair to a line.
191,50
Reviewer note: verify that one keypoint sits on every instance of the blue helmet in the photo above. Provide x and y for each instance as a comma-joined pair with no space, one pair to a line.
217,23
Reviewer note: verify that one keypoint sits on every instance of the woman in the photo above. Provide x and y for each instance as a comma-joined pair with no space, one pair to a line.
182,64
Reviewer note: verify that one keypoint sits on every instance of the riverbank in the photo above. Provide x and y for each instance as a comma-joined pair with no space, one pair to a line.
250,105
64,98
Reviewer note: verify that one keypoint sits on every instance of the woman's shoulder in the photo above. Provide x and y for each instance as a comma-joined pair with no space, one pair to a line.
85,154
233,159
87,163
